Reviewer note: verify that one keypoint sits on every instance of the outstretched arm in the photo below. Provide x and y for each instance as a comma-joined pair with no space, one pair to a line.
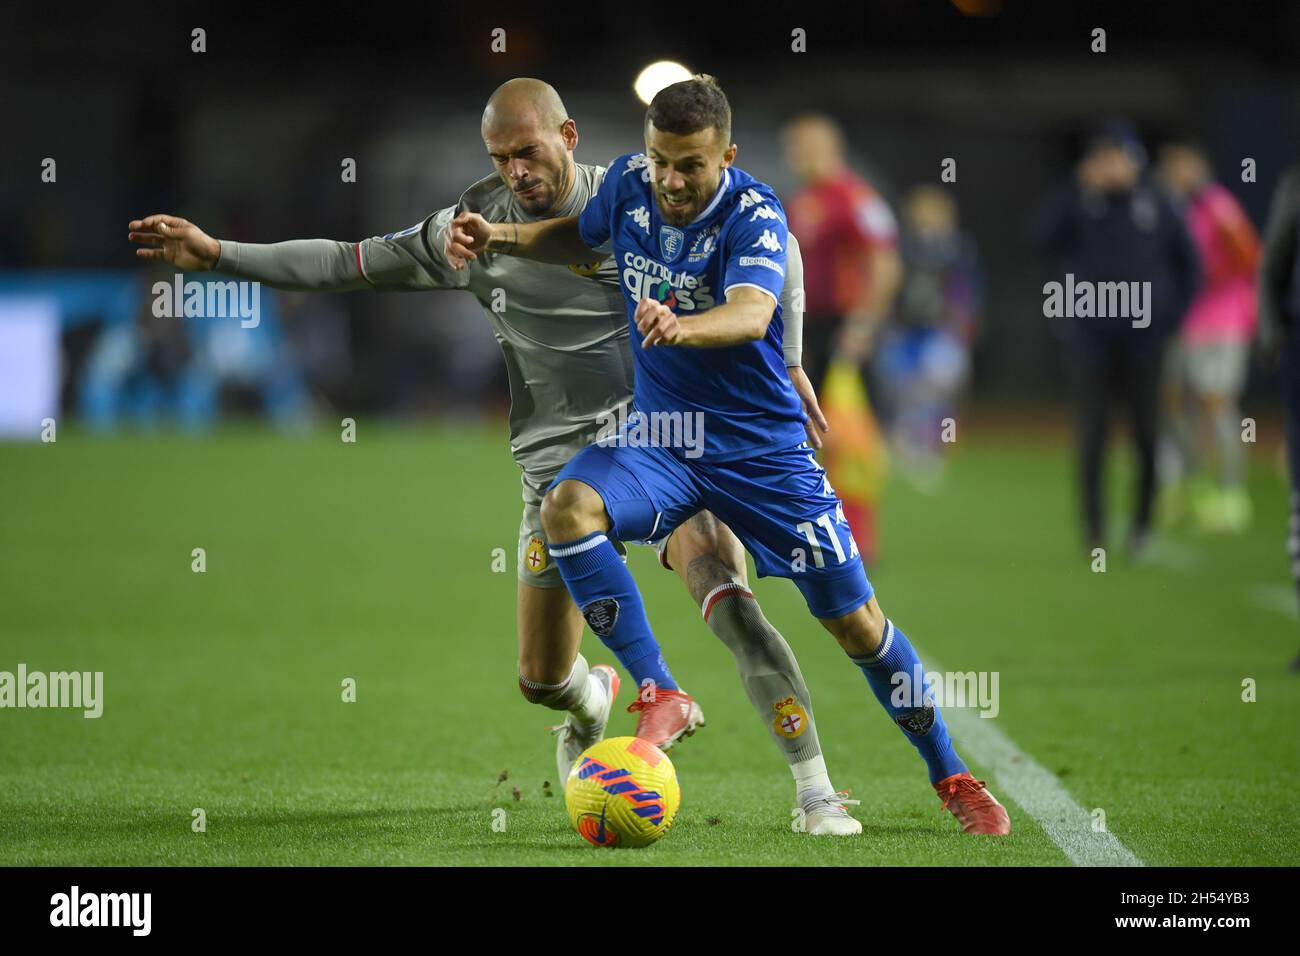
550,240
409,260
300,265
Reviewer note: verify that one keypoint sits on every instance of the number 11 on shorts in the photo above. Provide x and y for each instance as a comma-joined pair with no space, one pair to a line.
807,529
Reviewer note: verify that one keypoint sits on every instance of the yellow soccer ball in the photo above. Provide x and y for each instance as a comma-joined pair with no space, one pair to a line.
622,792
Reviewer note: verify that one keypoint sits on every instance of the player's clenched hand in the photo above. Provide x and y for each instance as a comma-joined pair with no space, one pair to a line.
816,423
657,324
175,240
466,237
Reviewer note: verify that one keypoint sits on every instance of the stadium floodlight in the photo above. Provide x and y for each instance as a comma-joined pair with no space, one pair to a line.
658,75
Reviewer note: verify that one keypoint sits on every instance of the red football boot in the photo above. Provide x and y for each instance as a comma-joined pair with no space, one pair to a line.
668,717
969,800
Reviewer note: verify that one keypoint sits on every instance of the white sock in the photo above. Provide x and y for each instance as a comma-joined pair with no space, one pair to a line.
811,779
591,704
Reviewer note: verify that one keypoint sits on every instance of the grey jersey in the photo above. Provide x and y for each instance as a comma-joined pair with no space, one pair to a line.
563,331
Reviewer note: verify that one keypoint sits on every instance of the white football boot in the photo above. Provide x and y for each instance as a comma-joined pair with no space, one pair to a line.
573,736
828,815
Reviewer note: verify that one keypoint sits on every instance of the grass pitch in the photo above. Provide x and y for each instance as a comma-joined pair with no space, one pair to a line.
374,561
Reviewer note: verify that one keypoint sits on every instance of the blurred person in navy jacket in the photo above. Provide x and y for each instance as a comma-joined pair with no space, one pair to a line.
1112,224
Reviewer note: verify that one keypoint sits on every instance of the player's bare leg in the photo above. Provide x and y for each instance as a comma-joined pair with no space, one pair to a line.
575,521
710,561
554,674
883,652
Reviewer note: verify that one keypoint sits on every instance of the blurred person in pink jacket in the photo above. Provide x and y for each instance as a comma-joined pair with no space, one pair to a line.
1210,357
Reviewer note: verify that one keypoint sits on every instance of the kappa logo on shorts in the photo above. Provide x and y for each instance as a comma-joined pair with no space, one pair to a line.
601,616
535,555
790,719
918,722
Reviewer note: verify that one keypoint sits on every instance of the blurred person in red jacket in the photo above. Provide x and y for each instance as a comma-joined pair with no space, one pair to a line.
852,271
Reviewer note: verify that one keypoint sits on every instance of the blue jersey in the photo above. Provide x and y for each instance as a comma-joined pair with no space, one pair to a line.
741,394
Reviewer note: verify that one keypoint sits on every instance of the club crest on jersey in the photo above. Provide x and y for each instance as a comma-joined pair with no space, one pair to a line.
671,242
790,719
535,555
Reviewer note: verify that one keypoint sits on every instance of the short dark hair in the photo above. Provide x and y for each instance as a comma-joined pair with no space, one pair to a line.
690,106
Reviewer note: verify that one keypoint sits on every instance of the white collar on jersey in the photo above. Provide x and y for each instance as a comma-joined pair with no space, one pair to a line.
717,197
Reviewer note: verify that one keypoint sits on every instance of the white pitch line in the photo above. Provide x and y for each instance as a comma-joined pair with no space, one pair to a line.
1036,789
1276,597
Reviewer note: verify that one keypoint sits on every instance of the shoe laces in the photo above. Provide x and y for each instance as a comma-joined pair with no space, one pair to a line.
960,784
838,800
661,697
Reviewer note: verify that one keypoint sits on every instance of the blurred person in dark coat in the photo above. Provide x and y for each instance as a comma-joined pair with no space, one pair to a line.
1279,330
1111,224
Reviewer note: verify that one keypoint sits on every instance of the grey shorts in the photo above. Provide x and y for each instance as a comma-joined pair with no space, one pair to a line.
1219,368
1213,368
536,569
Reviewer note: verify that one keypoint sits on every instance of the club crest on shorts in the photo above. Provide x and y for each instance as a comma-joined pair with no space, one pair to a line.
671,242
790,719
535,559
601,616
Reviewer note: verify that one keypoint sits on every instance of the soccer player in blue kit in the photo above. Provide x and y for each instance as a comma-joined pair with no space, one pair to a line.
700,246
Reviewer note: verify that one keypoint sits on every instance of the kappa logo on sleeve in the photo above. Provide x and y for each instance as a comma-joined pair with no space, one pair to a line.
641,162
641,216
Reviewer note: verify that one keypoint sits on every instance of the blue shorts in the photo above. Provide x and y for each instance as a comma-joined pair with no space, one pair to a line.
780,505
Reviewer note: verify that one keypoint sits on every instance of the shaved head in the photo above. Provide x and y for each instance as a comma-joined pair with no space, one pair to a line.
528,134
524,100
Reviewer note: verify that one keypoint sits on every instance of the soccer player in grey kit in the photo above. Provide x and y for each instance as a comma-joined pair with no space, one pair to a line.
565,339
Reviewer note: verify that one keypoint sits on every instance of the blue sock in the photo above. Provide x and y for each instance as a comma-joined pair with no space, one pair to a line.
605,592
923,725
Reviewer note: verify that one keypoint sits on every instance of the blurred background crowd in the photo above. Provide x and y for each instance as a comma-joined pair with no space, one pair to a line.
939,162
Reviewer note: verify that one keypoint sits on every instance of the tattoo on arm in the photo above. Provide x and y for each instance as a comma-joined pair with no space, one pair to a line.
508,245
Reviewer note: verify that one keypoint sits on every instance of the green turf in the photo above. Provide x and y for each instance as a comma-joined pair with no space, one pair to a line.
373,561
